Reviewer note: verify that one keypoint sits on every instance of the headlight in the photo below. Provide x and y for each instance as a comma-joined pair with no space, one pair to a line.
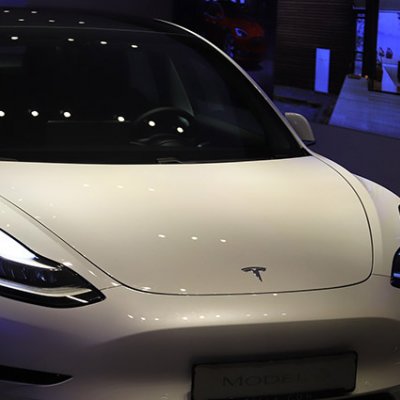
29,277
396,270
240,32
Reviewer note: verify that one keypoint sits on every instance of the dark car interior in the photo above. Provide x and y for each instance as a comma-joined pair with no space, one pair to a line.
66,97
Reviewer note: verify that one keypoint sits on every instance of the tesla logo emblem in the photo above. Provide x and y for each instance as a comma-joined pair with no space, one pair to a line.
256,271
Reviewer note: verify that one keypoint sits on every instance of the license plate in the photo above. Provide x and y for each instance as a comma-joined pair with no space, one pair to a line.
276,379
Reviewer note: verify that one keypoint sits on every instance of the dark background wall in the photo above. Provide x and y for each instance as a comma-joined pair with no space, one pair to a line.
154,8
304,26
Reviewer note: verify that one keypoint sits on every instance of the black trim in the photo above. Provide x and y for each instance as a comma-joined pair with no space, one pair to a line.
12,374
395,280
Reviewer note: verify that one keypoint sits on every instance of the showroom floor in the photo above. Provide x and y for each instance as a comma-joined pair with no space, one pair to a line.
372,156
358,108
316,107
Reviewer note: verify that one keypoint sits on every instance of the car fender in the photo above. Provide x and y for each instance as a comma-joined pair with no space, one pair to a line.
382,210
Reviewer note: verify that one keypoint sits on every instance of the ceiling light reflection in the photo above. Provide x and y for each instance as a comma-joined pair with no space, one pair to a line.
71,39
180,130
152,124
121,119
34,113
103,42
2,114
67,114
134,46
14,37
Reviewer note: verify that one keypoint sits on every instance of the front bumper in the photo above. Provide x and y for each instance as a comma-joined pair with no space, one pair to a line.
142,346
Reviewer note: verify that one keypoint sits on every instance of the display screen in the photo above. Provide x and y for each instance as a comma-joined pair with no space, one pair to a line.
389,50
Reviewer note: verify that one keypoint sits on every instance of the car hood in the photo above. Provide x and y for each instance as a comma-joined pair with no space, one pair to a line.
193,228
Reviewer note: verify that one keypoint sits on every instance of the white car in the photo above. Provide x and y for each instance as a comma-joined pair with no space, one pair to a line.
167,235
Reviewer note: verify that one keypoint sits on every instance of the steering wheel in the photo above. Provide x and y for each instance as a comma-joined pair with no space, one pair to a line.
163,126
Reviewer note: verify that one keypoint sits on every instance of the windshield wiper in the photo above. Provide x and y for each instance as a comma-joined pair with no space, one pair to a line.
169,160
7,159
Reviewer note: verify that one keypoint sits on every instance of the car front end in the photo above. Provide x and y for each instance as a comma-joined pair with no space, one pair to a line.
174,238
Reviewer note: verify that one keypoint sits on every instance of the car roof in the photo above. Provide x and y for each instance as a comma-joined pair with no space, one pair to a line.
38,17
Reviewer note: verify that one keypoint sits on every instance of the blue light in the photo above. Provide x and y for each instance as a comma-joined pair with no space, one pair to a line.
240,32
389,37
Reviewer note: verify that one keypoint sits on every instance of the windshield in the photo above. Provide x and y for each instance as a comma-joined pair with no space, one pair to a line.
108,96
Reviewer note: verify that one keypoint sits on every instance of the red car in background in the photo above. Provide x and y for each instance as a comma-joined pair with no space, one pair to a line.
231,28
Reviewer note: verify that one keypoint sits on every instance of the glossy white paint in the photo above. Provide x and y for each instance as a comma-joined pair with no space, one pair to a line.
190,229
144,345
38,238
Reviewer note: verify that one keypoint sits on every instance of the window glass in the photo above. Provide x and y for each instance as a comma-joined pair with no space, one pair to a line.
115,96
